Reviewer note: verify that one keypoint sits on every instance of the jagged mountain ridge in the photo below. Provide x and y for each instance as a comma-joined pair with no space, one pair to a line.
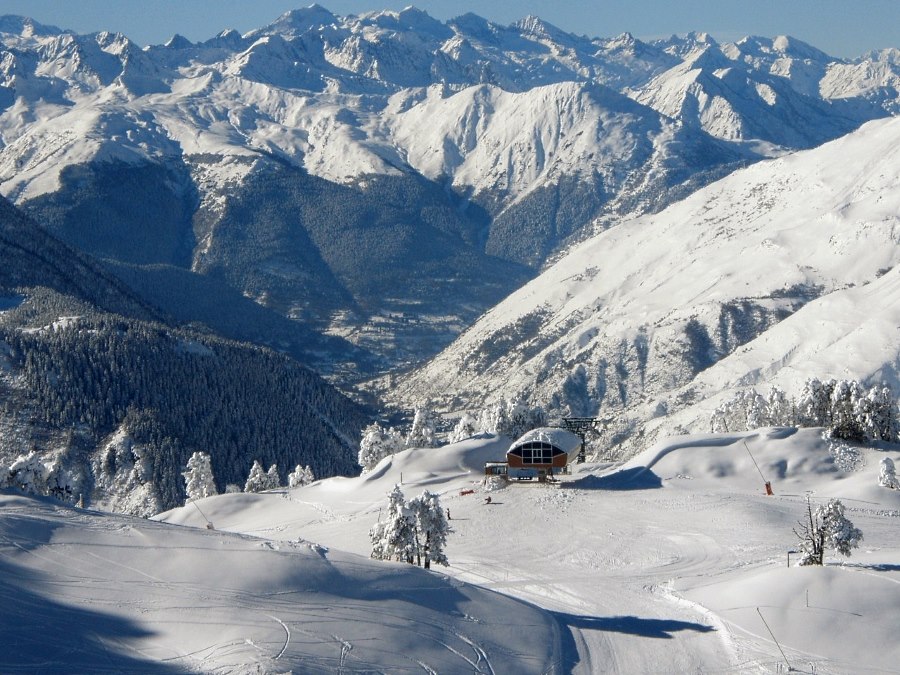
782,271
532,134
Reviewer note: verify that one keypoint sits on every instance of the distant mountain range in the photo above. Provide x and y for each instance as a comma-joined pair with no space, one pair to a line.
374,183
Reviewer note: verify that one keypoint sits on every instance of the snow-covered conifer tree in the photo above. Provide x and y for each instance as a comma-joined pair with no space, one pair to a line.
746,410
840,534
521,419
376,444
465,428
510,418
431,529
257,481
814,404
845,422
302,475
876,414
493,417
755,410
393,537
887,474
421,434
272,478
779,409
198,477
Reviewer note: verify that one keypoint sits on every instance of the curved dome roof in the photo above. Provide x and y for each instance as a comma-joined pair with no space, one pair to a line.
558,438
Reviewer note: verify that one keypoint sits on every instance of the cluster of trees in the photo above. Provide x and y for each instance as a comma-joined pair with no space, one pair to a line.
173,391
200,482
844,407
826,528
379,442
505,418
33,474
414,532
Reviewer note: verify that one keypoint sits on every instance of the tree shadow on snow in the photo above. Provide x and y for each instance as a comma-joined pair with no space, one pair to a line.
42,635
877,567
661,629
636,478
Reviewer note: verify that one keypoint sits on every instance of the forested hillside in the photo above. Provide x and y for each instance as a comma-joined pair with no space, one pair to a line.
114,399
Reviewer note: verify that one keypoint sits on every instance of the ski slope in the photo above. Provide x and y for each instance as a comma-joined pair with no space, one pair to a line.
655,566
668,563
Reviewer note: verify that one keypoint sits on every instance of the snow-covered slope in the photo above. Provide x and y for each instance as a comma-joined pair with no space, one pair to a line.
91,592
654,566
782,271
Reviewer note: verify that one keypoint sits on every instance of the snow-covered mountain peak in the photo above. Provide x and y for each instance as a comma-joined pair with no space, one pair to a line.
533,25
229,39
781,46
25,27
682,45
296,22
411,19
178,41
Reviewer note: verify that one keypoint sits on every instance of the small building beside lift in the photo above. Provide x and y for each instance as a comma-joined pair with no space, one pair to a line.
539,454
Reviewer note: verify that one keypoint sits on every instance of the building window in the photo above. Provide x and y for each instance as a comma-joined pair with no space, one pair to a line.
536,452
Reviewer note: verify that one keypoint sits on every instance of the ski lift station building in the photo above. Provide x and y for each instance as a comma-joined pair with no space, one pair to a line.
542,452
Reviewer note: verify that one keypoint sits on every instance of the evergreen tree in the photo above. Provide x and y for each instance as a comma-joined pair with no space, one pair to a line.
814,404
273,480
376,444
302,475
28,473
198,477
431,529
421,434
465,428
876,414
394,536
845,422
779,409
257,481
887,475
510,418
825,528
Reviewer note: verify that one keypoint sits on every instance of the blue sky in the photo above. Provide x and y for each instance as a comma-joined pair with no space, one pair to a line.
839,27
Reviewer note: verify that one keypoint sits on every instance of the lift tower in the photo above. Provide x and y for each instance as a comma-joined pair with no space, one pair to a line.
580,426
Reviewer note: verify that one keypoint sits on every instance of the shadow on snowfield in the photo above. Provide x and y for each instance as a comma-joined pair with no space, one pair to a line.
632,625
636,478
48,636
